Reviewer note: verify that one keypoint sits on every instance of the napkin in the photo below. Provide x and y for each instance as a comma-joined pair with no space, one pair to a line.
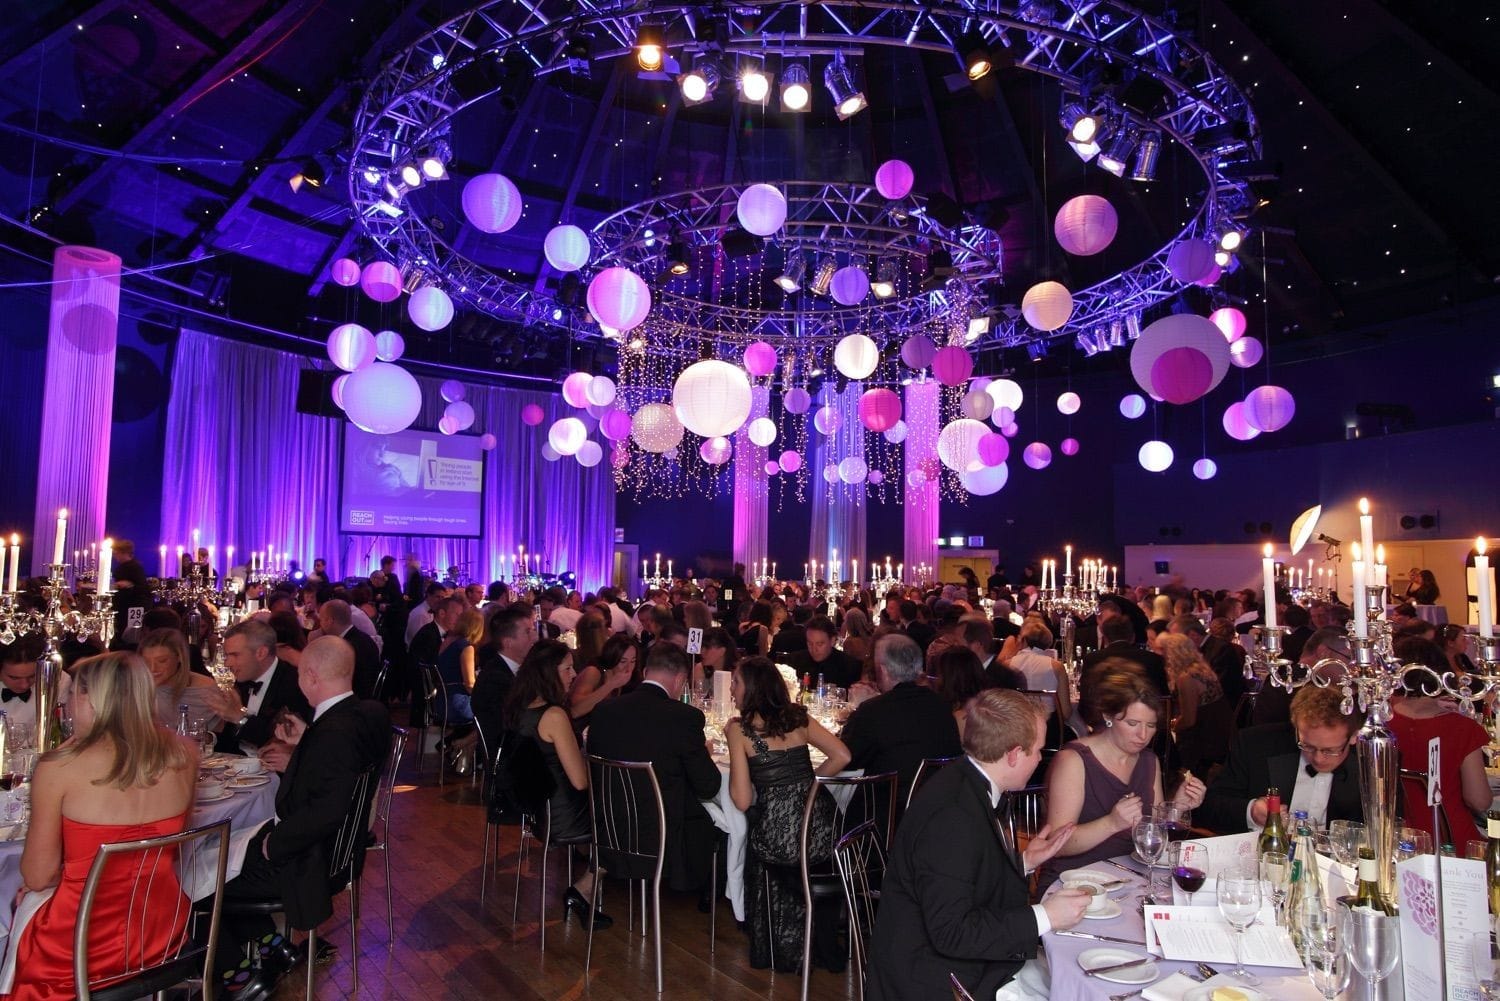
1031,983
1175,987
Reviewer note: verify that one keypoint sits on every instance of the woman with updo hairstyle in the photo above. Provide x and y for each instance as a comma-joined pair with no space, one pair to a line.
1204,716
165,652
1108,780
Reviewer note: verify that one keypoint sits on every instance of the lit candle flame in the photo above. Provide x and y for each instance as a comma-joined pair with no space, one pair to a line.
1364,505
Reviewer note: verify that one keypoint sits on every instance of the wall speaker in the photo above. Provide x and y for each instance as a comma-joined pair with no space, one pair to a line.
315,393
1418,522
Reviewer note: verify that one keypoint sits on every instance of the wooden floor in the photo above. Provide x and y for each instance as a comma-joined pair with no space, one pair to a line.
448,947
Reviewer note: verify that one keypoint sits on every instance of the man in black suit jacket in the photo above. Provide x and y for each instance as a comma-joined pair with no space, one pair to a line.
424,649
650,724
1227,659
822,658
791,638
954,896
1309,761
336,619
1117,636
264,686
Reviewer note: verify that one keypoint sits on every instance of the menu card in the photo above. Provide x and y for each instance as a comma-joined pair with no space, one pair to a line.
1465,911
1200,934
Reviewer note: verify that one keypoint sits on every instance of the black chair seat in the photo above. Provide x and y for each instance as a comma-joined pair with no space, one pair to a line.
188,966
254,906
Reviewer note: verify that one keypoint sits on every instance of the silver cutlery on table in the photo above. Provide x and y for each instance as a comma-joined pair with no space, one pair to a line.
1100,938
1116,967
1208,971
1123,997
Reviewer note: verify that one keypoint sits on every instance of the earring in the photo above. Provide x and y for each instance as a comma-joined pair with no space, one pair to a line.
1109,722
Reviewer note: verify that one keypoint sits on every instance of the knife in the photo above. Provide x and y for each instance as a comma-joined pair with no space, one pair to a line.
1116,967
1099,938
1126,868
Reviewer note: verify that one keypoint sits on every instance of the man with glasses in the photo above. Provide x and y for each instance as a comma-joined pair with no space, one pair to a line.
1309,760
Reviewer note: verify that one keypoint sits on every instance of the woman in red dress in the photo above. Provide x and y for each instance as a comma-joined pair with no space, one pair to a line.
119,778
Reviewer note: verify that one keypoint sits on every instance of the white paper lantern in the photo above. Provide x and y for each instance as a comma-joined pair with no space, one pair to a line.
762,431
985,480
896,433
566,248
345,272
337,390
1205,469
1037,455
567,435
958,443
492,203
575,389
715,451
461,413
655,428
856,356
712,398
1007,395
430,308
381,281
389,345
977,404
619,299
351,346
796,400
1068,403
589,454
850,286
451,391
1155,456
828,420
1085,225
1132,406
382,398
1230,321
1047,305
549,453
853,470
761,209
1010,430
600,391
831,473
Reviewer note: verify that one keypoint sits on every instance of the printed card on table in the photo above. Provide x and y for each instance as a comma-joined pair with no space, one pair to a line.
1465,910
1200,934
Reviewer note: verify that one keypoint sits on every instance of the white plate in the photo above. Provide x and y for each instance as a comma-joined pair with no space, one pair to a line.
1205,992
1092,876
249,782
1091,959
1111,909
223,795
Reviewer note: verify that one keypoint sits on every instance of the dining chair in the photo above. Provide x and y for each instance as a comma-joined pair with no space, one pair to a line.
630,826
960,993
435,714
380,815
178,961
490,860
859,855
926,769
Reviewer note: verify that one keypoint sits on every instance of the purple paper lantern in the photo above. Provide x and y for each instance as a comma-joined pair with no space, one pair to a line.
461,413
1010,430
381,281
1069,446
451,391
532,415
896,433
1037,455
549,453
760,359
1190,261
894,179
1085,225
1269,408
488,442
345,272
575,389
831,473
879,409
876,477
715,451
1246,352
916,478
917,351
772,467
351,346
619,299
850,286
993,449
761,209
430,308
952,365
1205,468
1236,425
492,203
1230,321
382,398
615,424
790,461
1132,406
982,481
797,400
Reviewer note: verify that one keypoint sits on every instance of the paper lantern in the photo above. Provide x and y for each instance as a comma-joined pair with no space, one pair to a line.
760,359
532,415
850,286
828,420
589,454
382,398
976,404
1007,395
1230,321
797,400
1011,430
1068,403
1179,358
488,442
549,453
619,299
451,391
831,473
1047,305
655,428
1132,406
916,478
389,345
345,272
980,384
600,391
1190,260
712,398
566,436
993,449
985,480
1246,352
430,308
958,443
1037,455
351,346
952,365
491,203
790,461
880,410
896,433
446,425
876,477
619,457
762,431
761,209
1155,456
1269,408
715,451
917,351
461,413
1069,446
772,467
615,424
337,390
595,411
1085,225
856,356
853,470
566,248
1002,416
381,281
1205,469
894,179
1236,424
1211,278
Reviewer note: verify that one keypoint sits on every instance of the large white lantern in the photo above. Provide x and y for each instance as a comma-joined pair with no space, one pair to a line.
430,308
1047,305
1085,225
589,454
853,470
983,480
762,431
618,298
351,346
566,248
856,356
600,391
712,398
492,203
1155,456
382,398
761,209
1007,395
958,443
389,345
655,428
567,436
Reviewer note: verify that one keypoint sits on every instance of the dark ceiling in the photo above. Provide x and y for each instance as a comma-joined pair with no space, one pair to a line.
1379,116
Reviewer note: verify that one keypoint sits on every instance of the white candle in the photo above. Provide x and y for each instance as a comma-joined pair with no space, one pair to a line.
62,533
658,564
1268,581
670,575
15,560
163,551
804,571
106,566
1068,554
228,558
1114,576
1361,622
2,566
773,571
900,571
195,542
1366,528
1481,589
855,573
645,568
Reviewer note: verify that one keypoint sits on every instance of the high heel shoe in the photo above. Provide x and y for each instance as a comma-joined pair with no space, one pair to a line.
575,901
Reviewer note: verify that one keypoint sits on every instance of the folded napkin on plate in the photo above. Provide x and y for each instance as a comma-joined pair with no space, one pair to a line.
1175,987
1031,983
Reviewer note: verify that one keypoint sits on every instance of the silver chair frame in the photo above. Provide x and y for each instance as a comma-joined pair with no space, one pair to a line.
624,835
853,855
381,812
926,769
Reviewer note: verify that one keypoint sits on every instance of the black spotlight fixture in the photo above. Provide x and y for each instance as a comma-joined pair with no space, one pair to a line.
974,54
679,258
739,242
650,48
310,173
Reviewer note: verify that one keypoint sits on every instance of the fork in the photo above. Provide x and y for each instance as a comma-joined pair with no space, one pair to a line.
1122,997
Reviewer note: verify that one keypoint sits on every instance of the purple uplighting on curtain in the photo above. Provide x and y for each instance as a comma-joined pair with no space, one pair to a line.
923,400
838,509
73,471
752,512
275,479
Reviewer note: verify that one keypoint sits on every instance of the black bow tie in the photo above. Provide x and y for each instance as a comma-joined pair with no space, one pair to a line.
254,687
1337,773
6,695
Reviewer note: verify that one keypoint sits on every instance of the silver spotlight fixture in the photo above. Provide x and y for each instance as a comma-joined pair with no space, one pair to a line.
1117,333
1133,326
848,99
1086,345
1081,124
792,274
1146,154
796,88
755,83
884,285
823,277
699,83
1115,153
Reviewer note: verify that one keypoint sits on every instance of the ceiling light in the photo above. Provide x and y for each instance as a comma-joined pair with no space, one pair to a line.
848,99
793,272
372,174
678,261
974,53
1036,350
1222,258
1082,125
1230,237
978,327
1145,156
755,84
796,90
649,48
699,83
309,172
1117,333
1133,326
823,277
884,285
1086,151
1116,153
411,174
1101,339
434,166
394,188
1086,344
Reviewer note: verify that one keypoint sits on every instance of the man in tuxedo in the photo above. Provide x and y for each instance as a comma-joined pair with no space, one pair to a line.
913,626
335,618
1309,761
131,590
1299,623
954,897
17,675
791,638
1117,639
290,856
426,643
822,658
1227,659
264,686
650,724
1274,703
511,631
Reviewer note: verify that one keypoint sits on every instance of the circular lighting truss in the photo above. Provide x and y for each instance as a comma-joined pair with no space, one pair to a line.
410,105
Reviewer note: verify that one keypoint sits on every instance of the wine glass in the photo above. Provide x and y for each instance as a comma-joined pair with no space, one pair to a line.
1276,872
1150,839
1421,839
1372,942
1239,902
1327,966
1172,817
1186,860
1345,838
1482,955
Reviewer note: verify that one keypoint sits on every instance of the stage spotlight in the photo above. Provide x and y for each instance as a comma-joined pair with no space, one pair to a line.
579,51
678,261
755,83
1101,339
1036,350
796,90
1146,154
1117,333
823,277
974,53
1082,124
699,83
650,48
1115,154
411,175
310,173
1133,326
1222,258
794,271
1086,344
978,327
848,99
1230,237
884,285
435,164
1086,151
395,188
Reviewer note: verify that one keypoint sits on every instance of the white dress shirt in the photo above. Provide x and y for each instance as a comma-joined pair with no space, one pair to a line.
1310,793
329,703
1043,922
21,713
257,696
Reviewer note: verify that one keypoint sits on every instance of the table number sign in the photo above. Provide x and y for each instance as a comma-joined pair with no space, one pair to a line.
695,641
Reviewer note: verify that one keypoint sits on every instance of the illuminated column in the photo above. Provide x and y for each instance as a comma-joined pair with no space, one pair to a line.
751,507
923,401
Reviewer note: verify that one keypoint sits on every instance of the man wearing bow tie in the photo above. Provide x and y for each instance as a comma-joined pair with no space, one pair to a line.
1310,761
263,687
17,674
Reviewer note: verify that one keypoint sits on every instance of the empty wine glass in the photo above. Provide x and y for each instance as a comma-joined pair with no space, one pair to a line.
1172,817
1327,966
1372,941
1187,860
1486,964
1422,840
1239,903
1150,841
1345,838
1276,873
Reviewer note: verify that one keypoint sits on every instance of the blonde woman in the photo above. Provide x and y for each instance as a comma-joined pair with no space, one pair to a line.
1203,715
455,663
165,652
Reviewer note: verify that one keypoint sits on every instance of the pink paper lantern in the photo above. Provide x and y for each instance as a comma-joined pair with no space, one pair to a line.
1190,261
1178,335
993,449
619,457
1085,225
850,286
1236,425
1246,352
1269,408
879,409
918,351
797,400
931,468
894,179
790,461
1011,430
351,347
1230,321
615,424
1182,375
760,359
492,203
381,281
575,389
619,299
345,272
1069,446
772,467
1214,273
715,451
488,442
952,365
1037,455
916,478
532,415
447,425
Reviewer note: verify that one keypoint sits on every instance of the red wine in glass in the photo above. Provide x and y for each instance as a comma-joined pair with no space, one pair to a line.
1189,879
